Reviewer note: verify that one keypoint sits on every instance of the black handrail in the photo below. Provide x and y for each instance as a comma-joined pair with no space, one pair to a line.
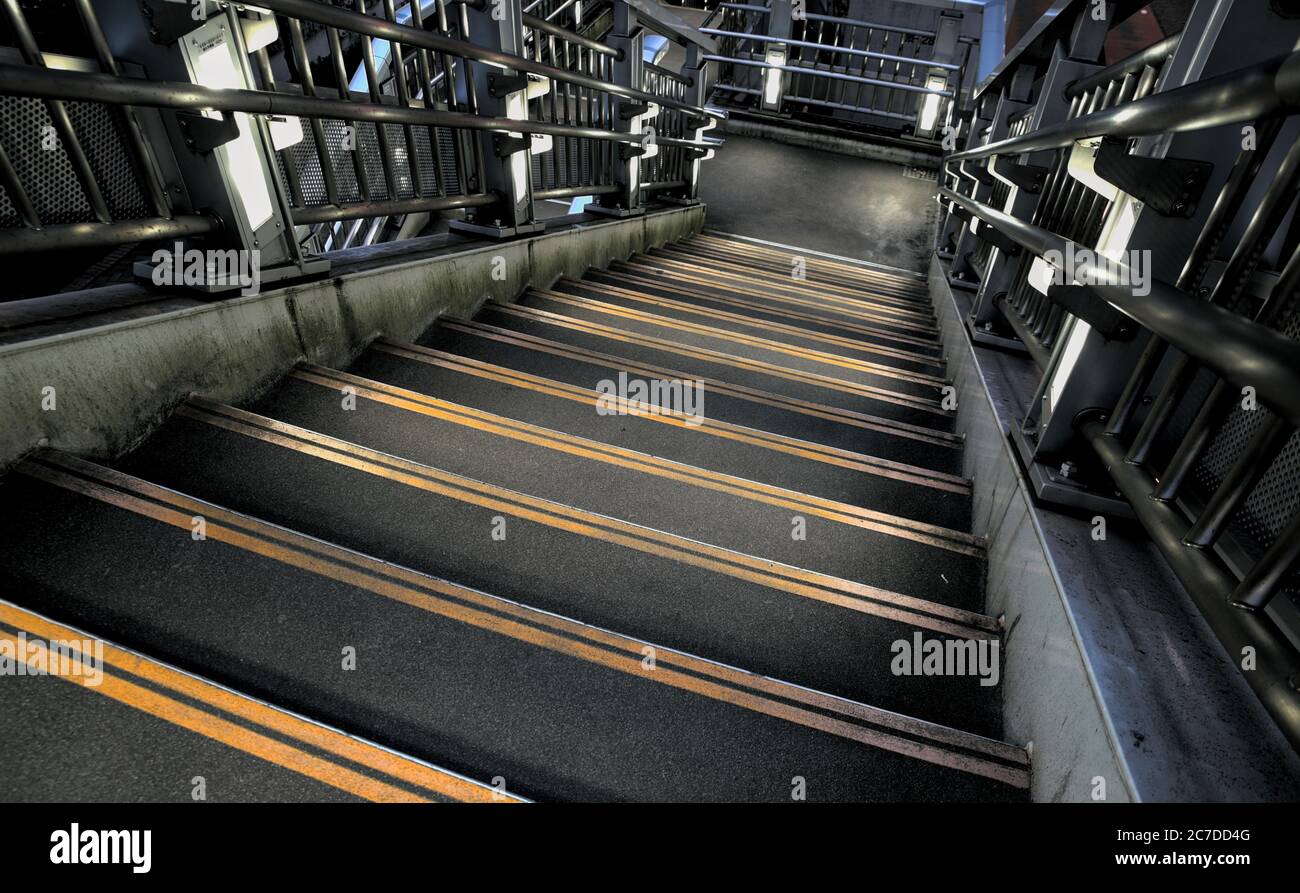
1247,94
1237,349
1158,52
371,26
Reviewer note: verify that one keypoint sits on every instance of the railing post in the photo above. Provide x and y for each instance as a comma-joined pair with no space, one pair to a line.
696,94
780,22
627,37
1020,202
507,164
929,117
963,274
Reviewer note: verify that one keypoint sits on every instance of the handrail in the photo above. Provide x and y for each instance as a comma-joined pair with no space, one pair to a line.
851,51
1155,54
336,17
832,75
661,21
539,24
1246,94
1237,349
44,83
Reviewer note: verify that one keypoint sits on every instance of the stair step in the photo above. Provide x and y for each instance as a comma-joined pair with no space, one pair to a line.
602,570
904,358
893,488
846,370
837,539
814,270
746,267
811,317
905,315
864,274
731,366
725,401
482,684
149,727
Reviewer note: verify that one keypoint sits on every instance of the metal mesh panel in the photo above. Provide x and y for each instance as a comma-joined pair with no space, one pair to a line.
47,174
312,183
1276,499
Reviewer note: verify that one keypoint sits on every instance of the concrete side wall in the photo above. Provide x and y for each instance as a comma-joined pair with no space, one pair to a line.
1048,694
97,392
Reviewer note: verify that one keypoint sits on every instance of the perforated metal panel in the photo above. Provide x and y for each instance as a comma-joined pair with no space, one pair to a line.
1276,499
47,173
312,183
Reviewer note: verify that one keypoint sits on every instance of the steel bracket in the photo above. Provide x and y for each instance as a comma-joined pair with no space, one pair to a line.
629,110
1028,177
203,134
170,20
505,145
1008,246
502,85
1088,306
1171,187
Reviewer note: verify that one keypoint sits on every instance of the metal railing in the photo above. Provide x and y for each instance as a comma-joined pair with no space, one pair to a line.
357,118
1129,226
900,77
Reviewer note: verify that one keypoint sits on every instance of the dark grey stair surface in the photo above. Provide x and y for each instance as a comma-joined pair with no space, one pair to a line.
633,606
723,400
935,499
731,366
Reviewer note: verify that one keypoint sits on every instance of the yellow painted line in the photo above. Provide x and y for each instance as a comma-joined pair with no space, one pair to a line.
804,449
737,282
225,732
816,270
712,385
792,350
442,784
771,574
749,266
633,274
371,575
781,255
650,267
481,420
765,325
713,356
746,267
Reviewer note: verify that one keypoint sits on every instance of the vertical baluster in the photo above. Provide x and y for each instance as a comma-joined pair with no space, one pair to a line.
341,76
308,85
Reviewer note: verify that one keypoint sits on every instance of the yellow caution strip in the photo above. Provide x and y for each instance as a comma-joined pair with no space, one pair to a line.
882,729
430,783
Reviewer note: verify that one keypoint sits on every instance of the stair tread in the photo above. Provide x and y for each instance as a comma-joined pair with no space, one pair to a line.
721,365
892,553
808,317
774,272
724,400
148,727
845,266
796,465
556,708
902,357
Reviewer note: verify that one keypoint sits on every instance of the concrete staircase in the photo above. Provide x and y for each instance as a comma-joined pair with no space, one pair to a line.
479,567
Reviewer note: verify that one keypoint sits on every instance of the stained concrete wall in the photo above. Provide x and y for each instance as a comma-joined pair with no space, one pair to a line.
1048,696
112,384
